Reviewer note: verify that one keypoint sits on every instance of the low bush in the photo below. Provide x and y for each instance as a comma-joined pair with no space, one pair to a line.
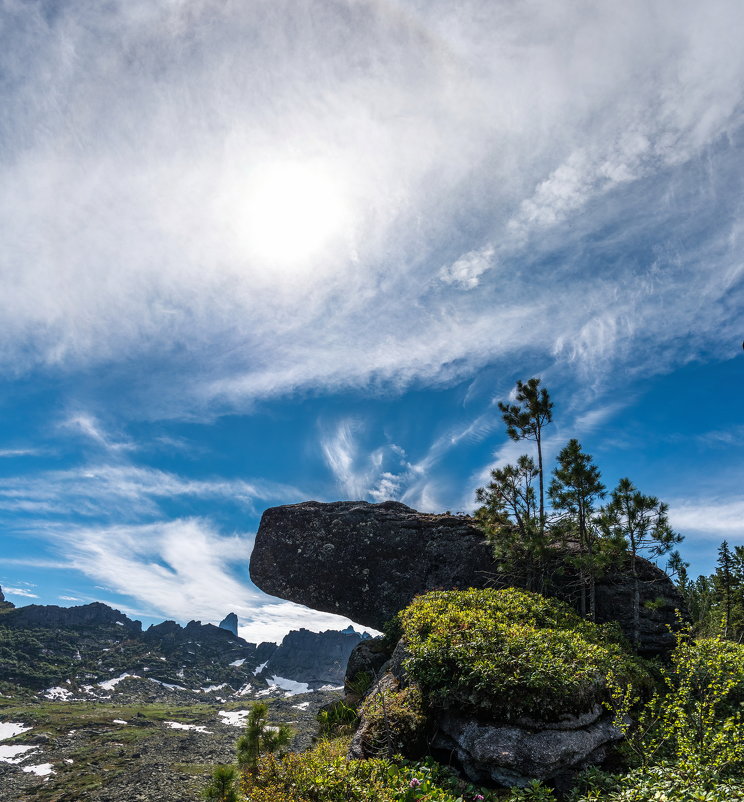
324,775
510,653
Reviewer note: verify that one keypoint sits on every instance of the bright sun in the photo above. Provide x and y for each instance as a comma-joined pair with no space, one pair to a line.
290,212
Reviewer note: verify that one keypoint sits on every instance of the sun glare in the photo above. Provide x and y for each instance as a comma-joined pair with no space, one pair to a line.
290,212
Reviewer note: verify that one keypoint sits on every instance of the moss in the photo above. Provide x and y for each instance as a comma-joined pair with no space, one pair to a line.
510,653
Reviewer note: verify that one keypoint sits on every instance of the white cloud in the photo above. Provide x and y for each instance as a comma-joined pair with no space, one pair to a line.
21,452
713,518
89,426
466,270
182,569
559,137
20,592
129,490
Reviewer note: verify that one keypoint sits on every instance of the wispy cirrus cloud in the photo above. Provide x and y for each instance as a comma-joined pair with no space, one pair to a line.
592,156
105,490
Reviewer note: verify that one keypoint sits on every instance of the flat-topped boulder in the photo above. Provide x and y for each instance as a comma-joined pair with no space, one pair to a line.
368,561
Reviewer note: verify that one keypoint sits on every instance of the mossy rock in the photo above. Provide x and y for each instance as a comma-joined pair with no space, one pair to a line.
510,654
394,721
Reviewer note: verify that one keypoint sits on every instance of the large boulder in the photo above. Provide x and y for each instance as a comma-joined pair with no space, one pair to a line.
514,754
368,561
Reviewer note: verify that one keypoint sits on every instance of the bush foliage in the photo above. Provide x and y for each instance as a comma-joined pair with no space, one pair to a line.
511,653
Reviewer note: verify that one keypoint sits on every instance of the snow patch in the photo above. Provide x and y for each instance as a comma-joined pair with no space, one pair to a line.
291,687
119,721
9,729
175,725
238,662
302,706
258,669
210,688
234,718
57,693
41,770
109,684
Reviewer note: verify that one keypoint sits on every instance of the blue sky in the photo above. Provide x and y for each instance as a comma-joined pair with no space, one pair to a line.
257,253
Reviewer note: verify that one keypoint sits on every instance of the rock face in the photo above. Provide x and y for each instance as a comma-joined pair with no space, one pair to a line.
510,754
230,623
5,605
368,561
317,658
49,616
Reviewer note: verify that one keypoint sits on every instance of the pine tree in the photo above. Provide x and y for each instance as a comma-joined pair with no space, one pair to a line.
575,488
260,737
641,523
222,785
508,516
525,421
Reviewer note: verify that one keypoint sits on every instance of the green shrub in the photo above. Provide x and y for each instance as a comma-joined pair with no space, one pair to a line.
336,716
395,722
665,783
510,653
695,720
324,775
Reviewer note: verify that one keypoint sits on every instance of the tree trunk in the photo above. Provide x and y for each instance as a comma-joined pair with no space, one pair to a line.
540,472
636,602
592,598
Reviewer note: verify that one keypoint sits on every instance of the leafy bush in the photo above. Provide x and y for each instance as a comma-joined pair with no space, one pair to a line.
336,716
324,775
695,720
511,653
665,783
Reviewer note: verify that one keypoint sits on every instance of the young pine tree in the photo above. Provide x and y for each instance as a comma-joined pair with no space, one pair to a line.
641,524
508,516
525,420
222,785
728,583
574,490
260,738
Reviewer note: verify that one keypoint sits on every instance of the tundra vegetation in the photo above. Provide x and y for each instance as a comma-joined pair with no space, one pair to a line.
505,654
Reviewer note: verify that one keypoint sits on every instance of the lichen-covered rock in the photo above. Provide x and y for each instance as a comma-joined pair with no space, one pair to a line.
510,754
368,561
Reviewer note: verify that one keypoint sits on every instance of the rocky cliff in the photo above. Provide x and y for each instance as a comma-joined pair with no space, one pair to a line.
5,605
49,616
368,561
317,658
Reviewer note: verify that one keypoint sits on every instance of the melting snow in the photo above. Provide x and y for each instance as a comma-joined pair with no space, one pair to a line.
234,718
210,688
290,686
175,725
10,754
302,705
238,662
110,683
41,770
62,694
259,669
9,729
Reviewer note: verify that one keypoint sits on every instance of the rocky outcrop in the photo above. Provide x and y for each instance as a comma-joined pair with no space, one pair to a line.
5,605
368,561
317,658
230,623
514,754
49,616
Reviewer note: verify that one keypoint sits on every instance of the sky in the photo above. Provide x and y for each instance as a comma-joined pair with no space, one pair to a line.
255,253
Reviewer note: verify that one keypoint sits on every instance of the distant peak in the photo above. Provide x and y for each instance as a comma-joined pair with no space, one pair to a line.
230,623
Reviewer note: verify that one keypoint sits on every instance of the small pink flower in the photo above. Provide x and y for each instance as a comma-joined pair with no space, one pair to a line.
415,783
478,797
